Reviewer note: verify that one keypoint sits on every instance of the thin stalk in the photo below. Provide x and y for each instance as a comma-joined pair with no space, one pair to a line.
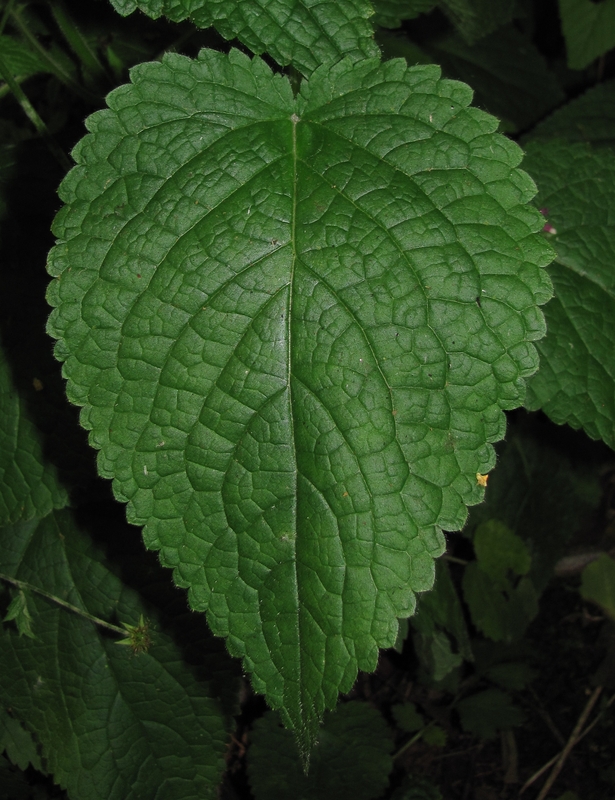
5,15
76,40
574,738
96,620
54,66
411,741
32,114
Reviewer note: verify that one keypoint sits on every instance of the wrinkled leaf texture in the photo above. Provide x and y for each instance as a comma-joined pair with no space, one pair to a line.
305,33
293,324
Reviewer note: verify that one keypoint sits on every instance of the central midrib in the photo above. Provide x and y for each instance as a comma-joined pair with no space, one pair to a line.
294,120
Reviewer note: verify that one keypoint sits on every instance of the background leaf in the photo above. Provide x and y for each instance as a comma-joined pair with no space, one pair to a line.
598,584
485,713
477,18
576,381
589,118
294,326
588,28
509,76
110,724
351,760
300,32
28,482
390,13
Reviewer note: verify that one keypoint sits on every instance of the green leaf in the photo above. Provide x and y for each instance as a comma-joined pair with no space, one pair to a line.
440,608
18,744
300,32
499,550
294,324
588,28
407,717
19,612
436,655
540,494
576,381
598,584
351,760
135,725
488,712
19,58
390,13
475,19
588,118
500,612
28,483
509,76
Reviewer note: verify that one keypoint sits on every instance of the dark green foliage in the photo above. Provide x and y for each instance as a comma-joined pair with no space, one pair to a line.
296,296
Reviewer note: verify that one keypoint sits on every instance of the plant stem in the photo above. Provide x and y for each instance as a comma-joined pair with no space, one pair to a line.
411,741
55,67
574,738
33,116
76,40
96,620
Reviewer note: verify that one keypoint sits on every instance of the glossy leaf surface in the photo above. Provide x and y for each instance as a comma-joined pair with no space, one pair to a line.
293,325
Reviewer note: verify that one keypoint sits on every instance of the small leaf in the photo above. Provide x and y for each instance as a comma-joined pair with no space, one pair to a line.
588,28
598,584
435,736
407,717
18,744
502,612
499,550
351,760
18,611
488,712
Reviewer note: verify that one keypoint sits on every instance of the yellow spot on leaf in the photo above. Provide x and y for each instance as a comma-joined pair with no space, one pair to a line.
481,480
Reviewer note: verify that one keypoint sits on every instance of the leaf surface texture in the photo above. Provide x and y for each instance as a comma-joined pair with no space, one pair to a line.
293,325
305,33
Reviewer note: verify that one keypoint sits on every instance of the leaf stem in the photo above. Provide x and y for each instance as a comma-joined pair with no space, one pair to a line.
96,620
55,67
32,114
77,42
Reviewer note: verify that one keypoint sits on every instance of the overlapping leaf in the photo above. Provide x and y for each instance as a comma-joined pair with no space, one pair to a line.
509,76
576,381
28,483
588,28
302,32
111,725
293,324
588,118
390,13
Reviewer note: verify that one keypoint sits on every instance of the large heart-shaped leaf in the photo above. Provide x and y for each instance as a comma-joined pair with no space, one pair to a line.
293,324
